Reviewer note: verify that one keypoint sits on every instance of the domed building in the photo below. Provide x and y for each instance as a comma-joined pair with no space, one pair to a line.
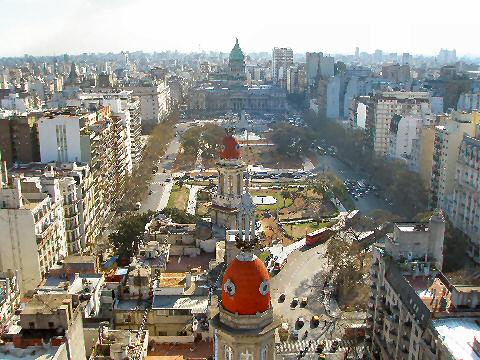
245,326
226,91
236,63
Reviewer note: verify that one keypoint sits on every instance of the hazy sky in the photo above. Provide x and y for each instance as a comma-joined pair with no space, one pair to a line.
48,27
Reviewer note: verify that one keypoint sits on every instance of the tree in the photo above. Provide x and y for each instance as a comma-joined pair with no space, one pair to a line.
128,233
291,140
285,195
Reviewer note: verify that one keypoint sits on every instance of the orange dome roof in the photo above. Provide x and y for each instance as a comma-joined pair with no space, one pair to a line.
230,148
246,286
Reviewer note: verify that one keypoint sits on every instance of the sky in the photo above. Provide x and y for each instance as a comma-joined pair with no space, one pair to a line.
54,27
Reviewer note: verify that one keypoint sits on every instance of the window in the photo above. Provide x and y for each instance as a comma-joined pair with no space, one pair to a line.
31,325
264,353
228,353
247,355
51,324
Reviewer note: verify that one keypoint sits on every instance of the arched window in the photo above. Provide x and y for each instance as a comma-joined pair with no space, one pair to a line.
228,353
264,353
247,355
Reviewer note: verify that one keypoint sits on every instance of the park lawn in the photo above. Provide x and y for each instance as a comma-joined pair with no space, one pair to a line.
277,194
178,197
298,231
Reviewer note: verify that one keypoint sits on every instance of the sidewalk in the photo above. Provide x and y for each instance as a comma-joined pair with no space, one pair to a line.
192,199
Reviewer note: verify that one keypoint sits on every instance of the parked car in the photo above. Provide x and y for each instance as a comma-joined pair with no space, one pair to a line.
294,302
281,298
300,322
304,301
315,320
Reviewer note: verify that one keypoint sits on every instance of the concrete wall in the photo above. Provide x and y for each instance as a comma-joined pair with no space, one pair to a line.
18,246
50,140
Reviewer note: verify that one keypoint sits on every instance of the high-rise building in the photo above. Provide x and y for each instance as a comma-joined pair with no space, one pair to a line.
382,108
19,138
463,203
154,102
32,231
448,138
282,59
313,60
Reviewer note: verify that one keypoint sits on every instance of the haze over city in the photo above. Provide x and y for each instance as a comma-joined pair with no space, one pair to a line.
53,27
249,180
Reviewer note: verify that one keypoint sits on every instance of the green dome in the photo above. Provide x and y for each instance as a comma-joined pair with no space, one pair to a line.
236,54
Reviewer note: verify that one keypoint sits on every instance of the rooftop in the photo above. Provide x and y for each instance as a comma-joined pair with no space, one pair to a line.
458,335
197,304
10,352
46,303
172,279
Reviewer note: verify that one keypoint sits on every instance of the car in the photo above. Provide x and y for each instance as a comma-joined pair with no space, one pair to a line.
315,320
300,322
304,301
294,302
294,334
168,179
138,205
281,298
320,346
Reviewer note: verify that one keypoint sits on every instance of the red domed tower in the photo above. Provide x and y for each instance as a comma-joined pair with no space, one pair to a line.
231,169
245,326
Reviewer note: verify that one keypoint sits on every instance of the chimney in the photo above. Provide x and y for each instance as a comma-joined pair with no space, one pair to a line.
188,280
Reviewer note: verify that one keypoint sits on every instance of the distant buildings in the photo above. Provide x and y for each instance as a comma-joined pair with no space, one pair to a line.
226,92
282,60
154,101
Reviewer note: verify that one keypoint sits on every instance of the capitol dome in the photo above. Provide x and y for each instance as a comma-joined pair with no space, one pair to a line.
246,286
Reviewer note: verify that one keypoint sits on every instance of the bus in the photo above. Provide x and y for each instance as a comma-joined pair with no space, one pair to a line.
319,236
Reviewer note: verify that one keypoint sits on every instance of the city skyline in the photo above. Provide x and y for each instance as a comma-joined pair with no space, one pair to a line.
76,27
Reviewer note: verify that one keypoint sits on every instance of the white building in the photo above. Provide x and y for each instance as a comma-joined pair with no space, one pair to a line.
447,142
154,102
32,232
463,203
385,106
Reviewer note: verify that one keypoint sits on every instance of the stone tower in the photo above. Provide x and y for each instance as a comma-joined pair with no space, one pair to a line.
230,167
244,328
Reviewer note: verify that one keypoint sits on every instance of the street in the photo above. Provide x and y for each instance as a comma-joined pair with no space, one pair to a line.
366,203
302,276
160,190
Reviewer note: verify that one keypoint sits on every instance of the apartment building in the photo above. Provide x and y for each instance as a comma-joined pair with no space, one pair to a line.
463,203
448,138
9,296
100,139
414,311
154,99
19,137
124,105
77,197
382,108
32,232
51,328
282,61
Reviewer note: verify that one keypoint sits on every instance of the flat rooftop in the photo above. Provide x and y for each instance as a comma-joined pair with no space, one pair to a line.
46,303
172,279
458,335
10,352
197,304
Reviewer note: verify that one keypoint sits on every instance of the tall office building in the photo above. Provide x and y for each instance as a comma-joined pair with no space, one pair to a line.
282,60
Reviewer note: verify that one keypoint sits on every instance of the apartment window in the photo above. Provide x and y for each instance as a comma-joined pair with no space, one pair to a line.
51,324
31,325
